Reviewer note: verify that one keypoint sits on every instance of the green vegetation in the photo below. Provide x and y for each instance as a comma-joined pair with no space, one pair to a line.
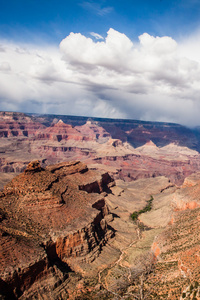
148,207
183,295
191,291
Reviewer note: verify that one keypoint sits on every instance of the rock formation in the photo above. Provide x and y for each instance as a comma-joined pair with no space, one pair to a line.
66,229
91,130
58,132
17,125
128,149
66,232
176,216
50,220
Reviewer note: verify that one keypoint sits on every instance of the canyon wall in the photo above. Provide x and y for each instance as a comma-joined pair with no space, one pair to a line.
128,149
48,217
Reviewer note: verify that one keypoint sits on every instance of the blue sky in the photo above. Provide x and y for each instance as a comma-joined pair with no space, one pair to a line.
118,59
51,21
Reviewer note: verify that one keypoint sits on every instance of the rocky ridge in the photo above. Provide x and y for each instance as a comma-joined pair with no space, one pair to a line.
86,246
161,260
48,217
58,132
17,125
129,150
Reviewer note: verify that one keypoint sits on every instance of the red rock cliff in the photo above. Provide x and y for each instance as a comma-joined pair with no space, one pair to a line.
48,218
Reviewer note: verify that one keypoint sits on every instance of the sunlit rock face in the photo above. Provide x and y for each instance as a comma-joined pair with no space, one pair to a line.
128,149
47,217
17,125
66,232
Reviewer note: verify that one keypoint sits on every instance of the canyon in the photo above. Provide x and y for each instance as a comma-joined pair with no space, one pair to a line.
49,217
70,187
129,150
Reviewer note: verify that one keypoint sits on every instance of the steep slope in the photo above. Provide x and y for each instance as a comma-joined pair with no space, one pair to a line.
58,132
128,149
48,217
91,130
161,258
136,132
177,272
69,252
17,125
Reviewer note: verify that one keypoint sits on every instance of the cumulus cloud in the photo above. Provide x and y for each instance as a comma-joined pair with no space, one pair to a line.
155,78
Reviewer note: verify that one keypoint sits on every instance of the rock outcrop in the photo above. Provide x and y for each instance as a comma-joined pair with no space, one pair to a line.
177,251
176,213
133,166
56,225
17,125
92,130
50,220
61,131
127,148
58,132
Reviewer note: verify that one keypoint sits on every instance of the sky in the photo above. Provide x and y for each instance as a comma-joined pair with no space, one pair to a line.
116,59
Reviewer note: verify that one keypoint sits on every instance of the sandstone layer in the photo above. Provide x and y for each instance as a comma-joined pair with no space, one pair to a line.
66,230
129,150
17,125
160,259
48,217
66,233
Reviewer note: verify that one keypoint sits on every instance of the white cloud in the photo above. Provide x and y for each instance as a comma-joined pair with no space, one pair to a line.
4,66
96,36
156,78
111,54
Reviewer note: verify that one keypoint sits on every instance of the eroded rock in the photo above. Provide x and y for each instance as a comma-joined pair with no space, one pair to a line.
46,222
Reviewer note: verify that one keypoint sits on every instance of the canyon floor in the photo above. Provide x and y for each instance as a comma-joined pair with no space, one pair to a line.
106,209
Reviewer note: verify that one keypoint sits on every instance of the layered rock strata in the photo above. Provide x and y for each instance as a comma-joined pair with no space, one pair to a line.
129,149
17,125
58,132
177,215
48,217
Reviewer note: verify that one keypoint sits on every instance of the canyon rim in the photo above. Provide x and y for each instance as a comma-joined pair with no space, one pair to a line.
98,208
